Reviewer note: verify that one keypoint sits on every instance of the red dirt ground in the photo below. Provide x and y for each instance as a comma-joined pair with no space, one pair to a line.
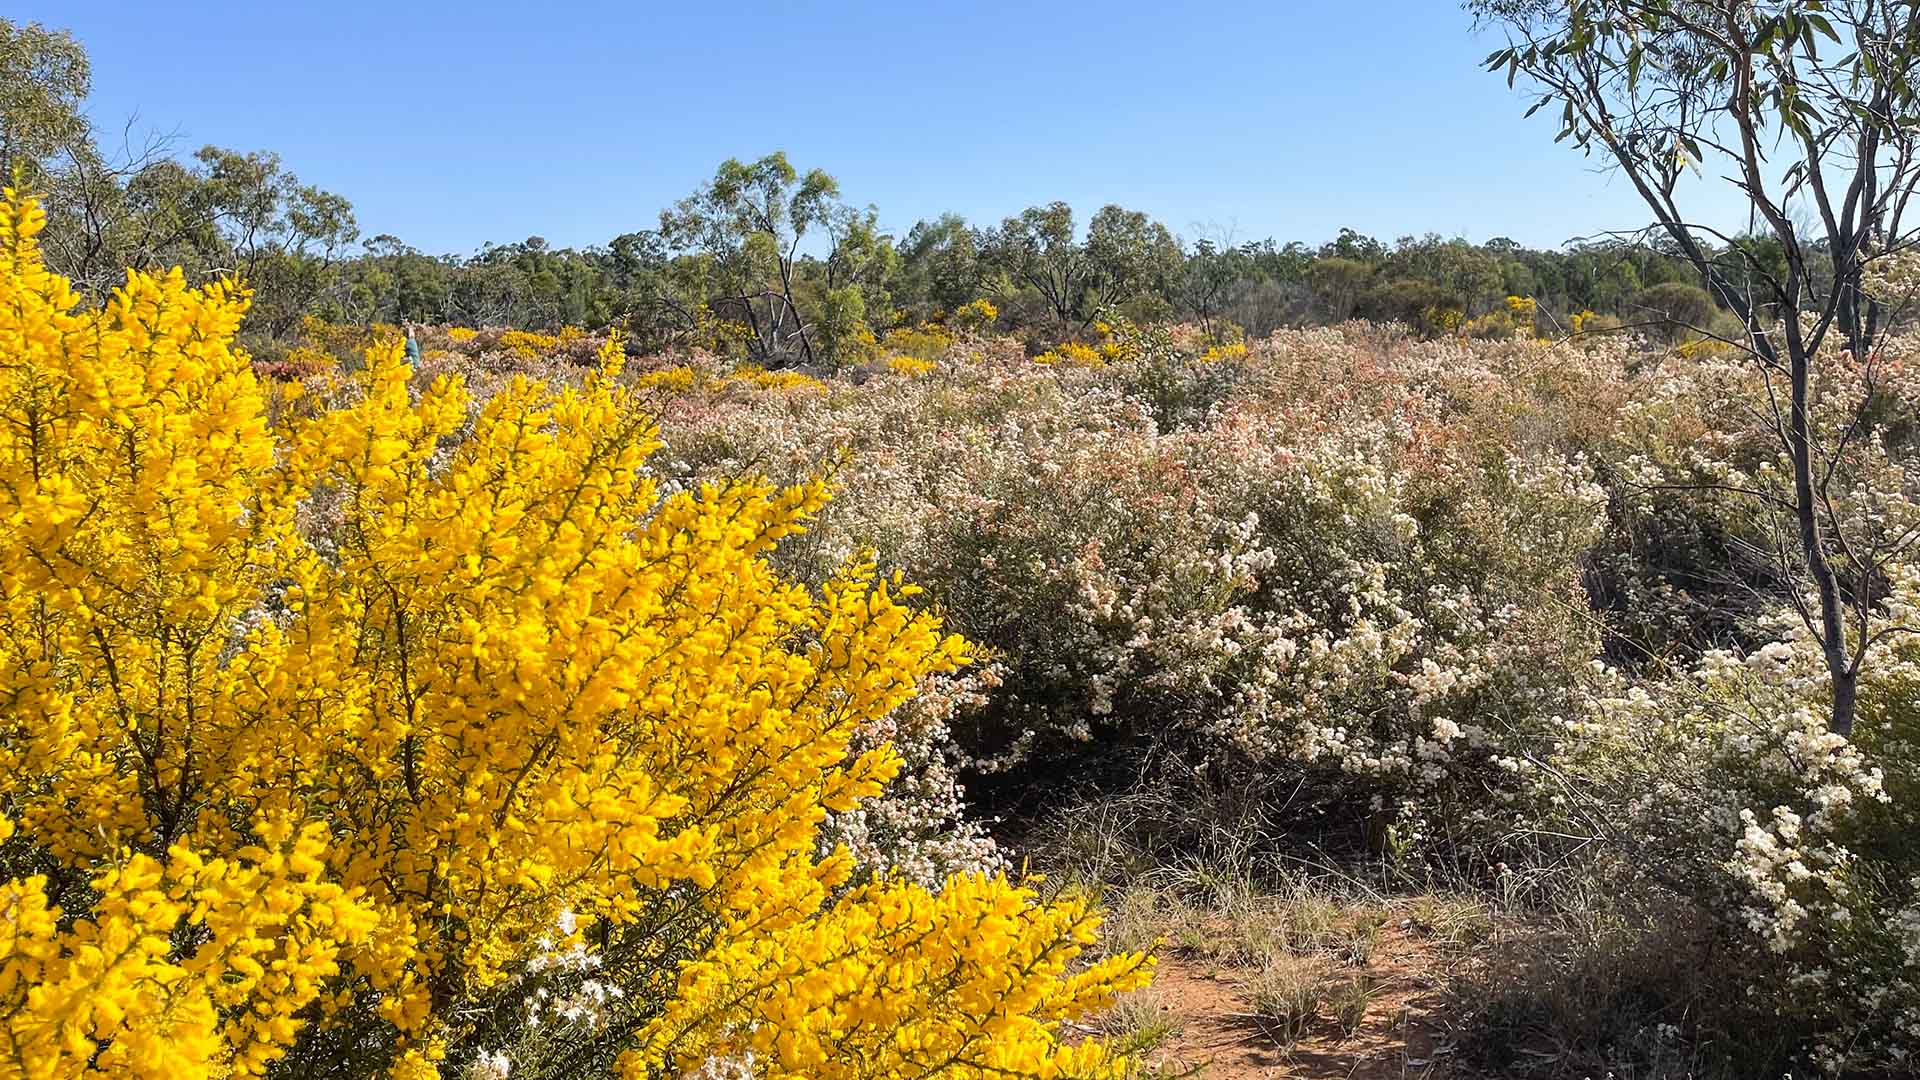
1403,1035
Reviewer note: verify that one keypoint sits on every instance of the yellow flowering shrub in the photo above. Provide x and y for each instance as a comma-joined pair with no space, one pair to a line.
1704,347
1525,313
676,378
528,345
924,342
337,339
1122,341
1493,326
308,360
460,335
910,366
755,375
728,337
312,732
1443,320
844,338
976,317
1074,354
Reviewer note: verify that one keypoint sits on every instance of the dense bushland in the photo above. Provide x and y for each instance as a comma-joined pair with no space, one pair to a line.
557,705
1509,612
1499,611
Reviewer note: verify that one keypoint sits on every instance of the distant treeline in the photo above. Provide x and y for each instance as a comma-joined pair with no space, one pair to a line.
762,259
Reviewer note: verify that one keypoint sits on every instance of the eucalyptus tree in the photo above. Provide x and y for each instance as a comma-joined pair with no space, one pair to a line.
44,80
1135,260
1807,108
940,264
1041,249
751,219
48,148
282,237
1216,276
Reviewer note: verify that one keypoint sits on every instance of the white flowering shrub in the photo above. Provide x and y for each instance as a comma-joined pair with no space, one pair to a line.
1701,543
1297,555
1726,789
919,828
562,999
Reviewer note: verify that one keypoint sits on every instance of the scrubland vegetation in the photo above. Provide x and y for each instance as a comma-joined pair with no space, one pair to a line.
1362,619
767,647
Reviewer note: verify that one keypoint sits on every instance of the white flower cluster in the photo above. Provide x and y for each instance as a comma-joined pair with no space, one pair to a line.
738,1067
562,996
568,995
919,829
1730,782
1304,557
489,1065
1893,278
1771,863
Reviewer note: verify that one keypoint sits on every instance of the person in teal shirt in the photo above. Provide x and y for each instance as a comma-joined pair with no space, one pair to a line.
413,346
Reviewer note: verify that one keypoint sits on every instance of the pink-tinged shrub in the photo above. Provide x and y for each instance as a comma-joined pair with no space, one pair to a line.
1294,557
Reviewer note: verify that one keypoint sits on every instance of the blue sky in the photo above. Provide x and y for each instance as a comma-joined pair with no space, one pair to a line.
452,124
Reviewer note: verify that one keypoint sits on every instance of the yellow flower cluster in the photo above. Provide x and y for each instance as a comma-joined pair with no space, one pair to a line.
460,335
685,378
754,375
1074,354
1121,342
1524,313
1234,350
976,317
528,345
728,337
677,378
306,356
339,339
1699,347
924,342
962,983
109,995
910,366
285,798
1447,320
